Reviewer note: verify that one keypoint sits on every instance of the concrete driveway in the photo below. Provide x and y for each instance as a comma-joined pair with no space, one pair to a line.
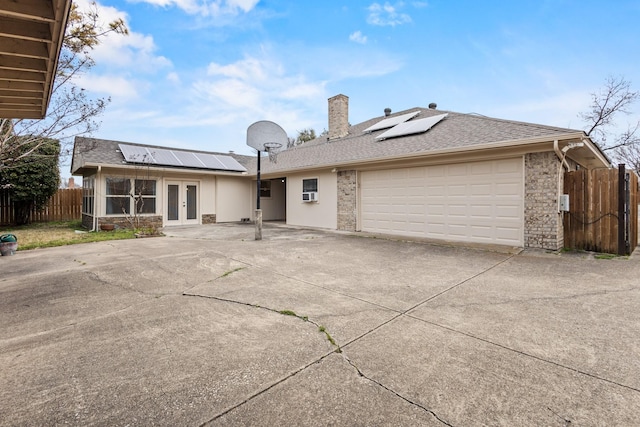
209,327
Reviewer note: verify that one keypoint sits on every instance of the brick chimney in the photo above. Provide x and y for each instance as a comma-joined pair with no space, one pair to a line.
338,116
71,183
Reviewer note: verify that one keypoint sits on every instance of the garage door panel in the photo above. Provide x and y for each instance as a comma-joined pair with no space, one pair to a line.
476,202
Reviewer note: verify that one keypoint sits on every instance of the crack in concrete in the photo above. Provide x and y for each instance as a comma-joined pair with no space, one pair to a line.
559,298
390,390
338,349
523,353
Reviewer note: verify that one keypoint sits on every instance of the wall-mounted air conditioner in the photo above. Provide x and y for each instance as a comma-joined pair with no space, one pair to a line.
310,196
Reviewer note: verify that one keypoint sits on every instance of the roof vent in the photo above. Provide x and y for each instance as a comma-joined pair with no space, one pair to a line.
387,112
433,106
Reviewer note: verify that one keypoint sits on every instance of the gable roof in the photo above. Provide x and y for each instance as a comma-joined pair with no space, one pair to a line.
89,153
456,132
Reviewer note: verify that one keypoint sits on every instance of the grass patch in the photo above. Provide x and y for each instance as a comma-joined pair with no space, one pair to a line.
329,338
232,271
294,314
62,233
605,256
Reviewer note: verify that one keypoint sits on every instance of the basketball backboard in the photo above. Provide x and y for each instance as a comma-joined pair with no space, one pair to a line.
266,132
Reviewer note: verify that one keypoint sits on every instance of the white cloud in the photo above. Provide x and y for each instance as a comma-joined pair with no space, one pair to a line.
110,85
117,55
358,37
207,8
387,15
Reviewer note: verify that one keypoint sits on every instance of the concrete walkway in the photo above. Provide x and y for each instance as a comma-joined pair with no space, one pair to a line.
209,327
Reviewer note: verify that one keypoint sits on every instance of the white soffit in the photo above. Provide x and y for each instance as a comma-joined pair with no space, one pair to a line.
391,121
167,157
412,127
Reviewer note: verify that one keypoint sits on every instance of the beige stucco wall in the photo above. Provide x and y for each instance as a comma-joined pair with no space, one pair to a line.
233,199
274,207
221,198
323,213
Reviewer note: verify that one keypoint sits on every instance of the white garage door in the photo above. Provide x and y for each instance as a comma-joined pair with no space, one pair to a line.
471,202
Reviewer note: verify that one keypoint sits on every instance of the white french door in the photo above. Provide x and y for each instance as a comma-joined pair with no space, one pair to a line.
181,206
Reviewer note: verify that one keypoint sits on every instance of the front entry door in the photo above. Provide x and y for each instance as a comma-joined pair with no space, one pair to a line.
182,203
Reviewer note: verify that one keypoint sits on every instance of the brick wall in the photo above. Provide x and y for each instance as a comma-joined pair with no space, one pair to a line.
347,200
542,222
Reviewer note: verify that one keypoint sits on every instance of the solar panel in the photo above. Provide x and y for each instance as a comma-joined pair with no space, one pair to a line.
391,121
412,127
188,159
164,157
231,164
210,161
167,157
135,154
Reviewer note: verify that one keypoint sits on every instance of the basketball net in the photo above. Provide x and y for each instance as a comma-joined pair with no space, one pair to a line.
272,150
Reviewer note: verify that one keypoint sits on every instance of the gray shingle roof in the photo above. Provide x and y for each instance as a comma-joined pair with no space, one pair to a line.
456,131
94,151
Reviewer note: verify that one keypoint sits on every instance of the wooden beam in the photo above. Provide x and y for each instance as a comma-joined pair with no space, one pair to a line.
6,94
37,10
23,29
13,85
18,63
22,76
26,48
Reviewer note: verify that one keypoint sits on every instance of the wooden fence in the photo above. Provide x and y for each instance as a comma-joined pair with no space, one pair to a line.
603,210
65,205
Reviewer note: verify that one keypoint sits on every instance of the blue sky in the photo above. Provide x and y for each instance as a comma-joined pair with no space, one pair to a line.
197,73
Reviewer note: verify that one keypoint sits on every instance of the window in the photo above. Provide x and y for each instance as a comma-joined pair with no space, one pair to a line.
118,195
124,196
265,188
310,185
87,195
145,196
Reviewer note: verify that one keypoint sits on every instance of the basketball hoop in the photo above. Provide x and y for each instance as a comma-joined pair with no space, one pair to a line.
272,149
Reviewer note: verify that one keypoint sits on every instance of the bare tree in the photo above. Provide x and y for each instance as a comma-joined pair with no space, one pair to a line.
615,97
71,111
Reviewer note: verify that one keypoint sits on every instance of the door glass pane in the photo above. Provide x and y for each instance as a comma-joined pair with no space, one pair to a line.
172,202
192,211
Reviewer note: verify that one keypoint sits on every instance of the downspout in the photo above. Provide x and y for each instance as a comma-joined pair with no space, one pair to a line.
562,156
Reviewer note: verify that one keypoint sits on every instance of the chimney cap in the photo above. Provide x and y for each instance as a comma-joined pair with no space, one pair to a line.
433,106
387,111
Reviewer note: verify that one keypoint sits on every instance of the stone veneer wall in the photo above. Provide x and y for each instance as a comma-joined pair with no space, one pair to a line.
347,200
208,218
542,223
124,222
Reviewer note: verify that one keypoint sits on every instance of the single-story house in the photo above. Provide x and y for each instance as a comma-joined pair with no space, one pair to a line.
422,172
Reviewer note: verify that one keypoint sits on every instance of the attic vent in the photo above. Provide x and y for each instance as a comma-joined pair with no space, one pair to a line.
387,112
433,106
391,121
412,127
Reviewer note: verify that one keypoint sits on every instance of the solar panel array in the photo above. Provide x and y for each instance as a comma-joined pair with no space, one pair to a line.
166,157
391,121
412,127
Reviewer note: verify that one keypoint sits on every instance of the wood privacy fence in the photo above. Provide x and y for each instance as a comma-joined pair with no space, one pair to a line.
65,205
603,210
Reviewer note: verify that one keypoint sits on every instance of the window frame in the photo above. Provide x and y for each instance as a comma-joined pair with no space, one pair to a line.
265,188
88,195
310,179
133,192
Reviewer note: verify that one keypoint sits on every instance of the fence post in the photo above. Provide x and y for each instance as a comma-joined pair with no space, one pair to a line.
622,246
